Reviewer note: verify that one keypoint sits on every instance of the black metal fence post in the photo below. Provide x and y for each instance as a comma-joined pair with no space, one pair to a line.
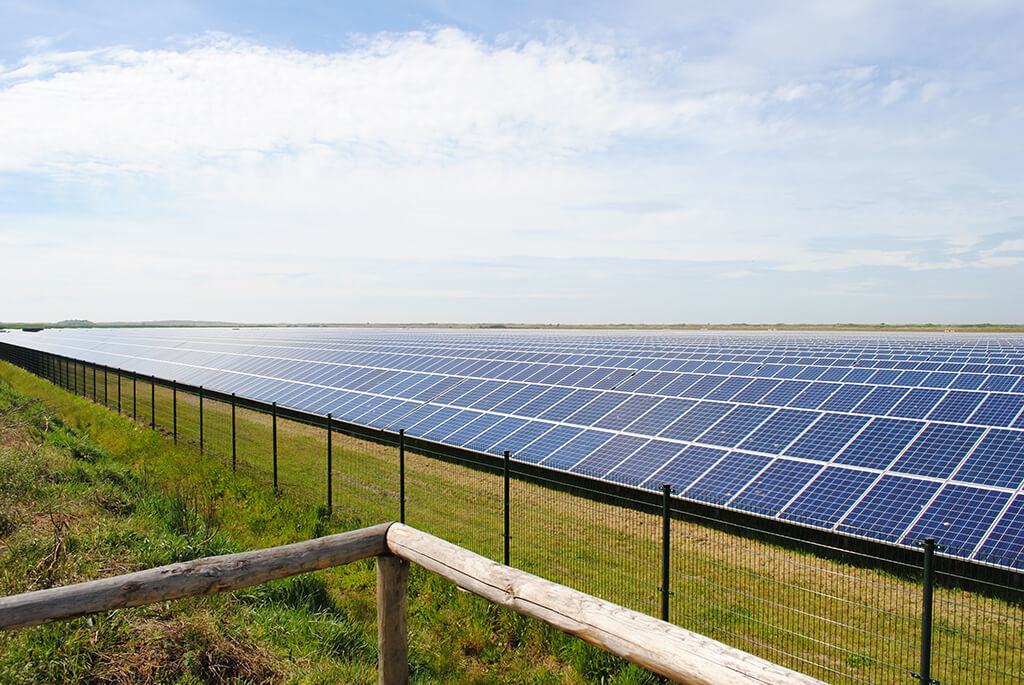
666,547
119,391
508,458
93,382
152,402
926,612
105,403
135,378
234,452
174,410
330,465
273,413
401,475
202,441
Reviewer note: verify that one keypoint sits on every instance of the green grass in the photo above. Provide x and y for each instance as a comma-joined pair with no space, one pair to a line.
85,493
837,622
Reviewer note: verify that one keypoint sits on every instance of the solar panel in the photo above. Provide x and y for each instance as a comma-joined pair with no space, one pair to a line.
891,437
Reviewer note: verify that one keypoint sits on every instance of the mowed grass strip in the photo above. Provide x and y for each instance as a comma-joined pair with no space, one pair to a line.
85,493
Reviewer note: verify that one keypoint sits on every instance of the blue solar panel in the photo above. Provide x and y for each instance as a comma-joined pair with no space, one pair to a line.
522,396
576,450
880,400
917,404
889,507
880,443
542,447
643,463
731,429
696,420
434,419
958,518
727,477
542,402
729,388
775,487
784,393
997,460
938,450
609,455
999,383
642,377
497,437
652,385
398,412
627,412
677,387
570,405
779,430
828,496
454,423
682,470
596,410
478,425
813,395
911,412
702,387
968,381
998,409
756,390
1005,545
660,416
846,398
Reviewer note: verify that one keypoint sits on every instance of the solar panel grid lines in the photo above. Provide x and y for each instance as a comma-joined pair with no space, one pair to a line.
1002,544
814,407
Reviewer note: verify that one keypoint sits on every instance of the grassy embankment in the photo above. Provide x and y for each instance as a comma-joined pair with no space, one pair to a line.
85,493
832,620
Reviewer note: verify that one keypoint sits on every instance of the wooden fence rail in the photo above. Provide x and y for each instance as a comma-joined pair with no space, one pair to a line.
661,647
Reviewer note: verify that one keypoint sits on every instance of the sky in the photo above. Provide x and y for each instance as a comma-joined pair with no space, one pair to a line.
455,161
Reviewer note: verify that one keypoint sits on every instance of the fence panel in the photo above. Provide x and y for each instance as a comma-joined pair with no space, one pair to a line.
365,476
456,499
976,637
841,615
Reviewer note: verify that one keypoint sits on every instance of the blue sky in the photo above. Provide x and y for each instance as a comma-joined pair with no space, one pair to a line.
542,162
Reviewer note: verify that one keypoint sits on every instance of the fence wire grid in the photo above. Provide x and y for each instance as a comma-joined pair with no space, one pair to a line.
841,615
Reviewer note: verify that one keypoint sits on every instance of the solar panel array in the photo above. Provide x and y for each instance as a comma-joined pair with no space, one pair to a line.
892,437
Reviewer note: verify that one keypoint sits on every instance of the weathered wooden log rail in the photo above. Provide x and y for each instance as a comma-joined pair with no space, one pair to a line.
661,647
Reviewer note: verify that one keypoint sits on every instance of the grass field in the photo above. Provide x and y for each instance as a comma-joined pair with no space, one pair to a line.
85,493
841,623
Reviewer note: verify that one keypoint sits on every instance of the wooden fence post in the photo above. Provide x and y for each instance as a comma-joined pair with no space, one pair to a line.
392,631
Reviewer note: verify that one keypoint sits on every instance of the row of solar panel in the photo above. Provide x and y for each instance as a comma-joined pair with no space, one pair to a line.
934,450
733,478
855,395
662,343
951,405
976,522
975,364
775,366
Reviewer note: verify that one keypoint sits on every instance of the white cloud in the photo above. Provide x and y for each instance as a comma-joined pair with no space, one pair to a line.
419,95
277,169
